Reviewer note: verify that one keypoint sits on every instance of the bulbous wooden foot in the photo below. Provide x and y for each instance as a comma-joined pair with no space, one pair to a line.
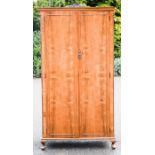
43,142
43,147
113,145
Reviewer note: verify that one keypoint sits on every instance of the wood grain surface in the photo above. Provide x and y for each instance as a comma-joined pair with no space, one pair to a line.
77,73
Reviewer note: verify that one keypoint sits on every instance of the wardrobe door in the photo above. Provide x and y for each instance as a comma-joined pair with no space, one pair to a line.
59,74
96,74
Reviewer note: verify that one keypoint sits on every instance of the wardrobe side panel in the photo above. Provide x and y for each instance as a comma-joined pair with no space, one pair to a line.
111,71
43,75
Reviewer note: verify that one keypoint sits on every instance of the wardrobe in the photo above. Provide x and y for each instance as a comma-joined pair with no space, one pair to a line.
77,50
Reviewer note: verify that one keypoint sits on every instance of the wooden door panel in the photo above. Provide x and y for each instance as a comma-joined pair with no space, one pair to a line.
94,75
60,75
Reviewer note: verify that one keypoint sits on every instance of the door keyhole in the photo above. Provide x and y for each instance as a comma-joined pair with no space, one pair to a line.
79,54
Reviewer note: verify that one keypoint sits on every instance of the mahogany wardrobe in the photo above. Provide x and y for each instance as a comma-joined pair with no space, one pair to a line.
77,73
